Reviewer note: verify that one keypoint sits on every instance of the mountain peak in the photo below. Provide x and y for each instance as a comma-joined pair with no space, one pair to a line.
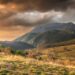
53,26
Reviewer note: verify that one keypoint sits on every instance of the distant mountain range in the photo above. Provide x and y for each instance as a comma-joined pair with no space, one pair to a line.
16,45
49,34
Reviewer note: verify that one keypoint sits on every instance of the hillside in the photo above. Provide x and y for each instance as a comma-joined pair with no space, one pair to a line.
51,61
57,54
53,37
49,34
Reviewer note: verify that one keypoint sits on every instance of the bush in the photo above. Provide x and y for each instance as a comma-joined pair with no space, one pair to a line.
20,52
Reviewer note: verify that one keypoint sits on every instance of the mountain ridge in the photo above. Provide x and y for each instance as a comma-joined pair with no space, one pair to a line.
56,32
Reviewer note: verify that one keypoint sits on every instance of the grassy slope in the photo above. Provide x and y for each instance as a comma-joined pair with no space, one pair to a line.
27,66
50,37
51,61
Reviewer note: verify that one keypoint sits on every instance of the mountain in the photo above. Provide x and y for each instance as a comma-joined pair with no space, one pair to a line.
49,34
53,37
16,45
53,26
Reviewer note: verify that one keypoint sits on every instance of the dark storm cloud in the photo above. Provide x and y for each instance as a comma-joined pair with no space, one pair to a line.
42,5
53,12
30,18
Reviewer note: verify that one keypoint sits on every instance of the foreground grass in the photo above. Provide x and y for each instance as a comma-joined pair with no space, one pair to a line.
17,65
52,61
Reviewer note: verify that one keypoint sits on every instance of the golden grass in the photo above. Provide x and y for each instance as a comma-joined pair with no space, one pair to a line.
56,50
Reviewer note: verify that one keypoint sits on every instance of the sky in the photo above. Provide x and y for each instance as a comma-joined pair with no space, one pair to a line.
17,17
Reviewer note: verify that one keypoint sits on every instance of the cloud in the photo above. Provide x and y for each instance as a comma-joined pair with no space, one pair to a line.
41,5
34,18
20,16
30,18
67,16
32,13
27,12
